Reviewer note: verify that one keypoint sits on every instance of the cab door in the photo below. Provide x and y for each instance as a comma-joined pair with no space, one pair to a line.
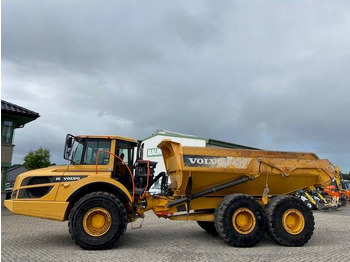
124,162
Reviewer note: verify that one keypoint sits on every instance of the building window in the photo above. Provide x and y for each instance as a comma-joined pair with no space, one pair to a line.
7,132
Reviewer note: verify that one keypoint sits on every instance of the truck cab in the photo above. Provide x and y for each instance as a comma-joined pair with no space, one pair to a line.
106,154
108,163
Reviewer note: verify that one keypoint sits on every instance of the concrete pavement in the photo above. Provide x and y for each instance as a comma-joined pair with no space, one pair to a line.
34,239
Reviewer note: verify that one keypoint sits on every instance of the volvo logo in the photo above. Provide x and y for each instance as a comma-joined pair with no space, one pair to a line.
202,161
216,161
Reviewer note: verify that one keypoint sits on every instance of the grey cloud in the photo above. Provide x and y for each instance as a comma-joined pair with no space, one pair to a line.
265,74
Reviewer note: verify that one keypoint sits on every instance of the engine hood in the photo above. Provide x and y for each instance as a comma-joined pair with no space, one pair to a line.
47,171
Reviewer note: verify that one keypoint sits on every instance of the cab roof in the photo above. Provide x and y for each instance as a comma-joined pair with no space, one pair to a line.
108,137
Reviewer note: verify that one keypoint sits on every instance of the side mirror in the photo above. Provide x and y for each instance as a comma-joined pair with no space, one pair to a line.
140,147
70,142
68,146
141,151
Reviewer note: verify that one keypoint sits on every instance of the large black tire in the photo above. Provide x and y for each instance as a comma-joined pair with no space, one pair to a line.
208,226
239,220
289,221
109,224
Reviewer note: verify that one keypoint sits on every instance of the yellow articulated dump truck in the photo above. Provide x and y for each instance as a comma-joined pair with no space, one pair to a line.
236,194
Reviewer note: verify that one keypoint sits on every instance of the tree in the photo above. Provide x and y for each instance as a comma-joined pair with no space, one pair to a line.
37,159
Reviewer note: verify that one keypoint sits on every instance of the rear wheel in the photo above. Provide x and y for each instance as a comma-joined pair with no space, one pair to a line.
208,226
290,221
239,220
97,221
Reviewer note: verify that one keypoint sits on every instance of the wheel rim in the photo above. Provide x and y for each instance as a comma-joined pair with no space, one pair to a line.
293,221
97,221
243,221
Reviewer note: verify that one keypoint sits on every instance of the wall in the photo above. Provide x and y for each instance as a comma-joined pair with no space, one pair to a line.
6,153
152,153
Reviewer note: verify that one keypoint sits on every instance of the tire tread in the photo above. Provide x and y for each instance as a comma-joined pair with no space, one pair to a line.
220,219
271,221
119,206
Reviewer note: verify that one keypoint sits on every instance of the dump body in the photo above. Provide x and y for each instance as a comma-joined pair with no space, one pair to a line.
193,169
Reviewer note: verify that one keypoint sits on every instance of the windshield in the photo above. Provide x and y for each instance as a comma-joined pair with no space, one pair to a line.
94,147
85,151
77,152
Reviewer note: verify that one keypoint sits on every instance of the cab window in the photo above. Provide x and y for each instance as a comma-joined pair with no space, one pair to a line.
125,152
77,152
94,147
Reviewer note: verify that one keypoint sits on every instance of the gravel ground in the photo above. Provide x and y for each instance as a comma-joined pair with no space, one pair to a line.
33,239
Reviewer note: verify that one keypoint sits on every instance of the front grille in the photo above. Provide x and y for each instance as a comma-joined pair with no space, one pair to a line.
34,192
28,181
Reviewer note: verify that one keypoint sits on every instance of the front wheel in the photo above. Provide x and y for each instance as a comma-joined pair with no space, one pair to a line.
97,221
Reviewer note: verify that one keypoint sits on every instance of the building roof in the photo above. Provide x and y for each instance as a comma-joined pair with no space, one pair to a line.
19,115
172,133
218,143
209,141
14,171
15,109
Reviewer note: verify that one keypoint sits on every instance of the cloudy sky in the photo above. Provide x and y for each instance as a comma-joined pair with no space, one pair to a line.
268,74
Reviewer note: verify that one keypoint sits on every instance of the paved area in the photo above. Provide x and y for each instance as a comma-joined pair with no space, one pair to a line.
34,239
